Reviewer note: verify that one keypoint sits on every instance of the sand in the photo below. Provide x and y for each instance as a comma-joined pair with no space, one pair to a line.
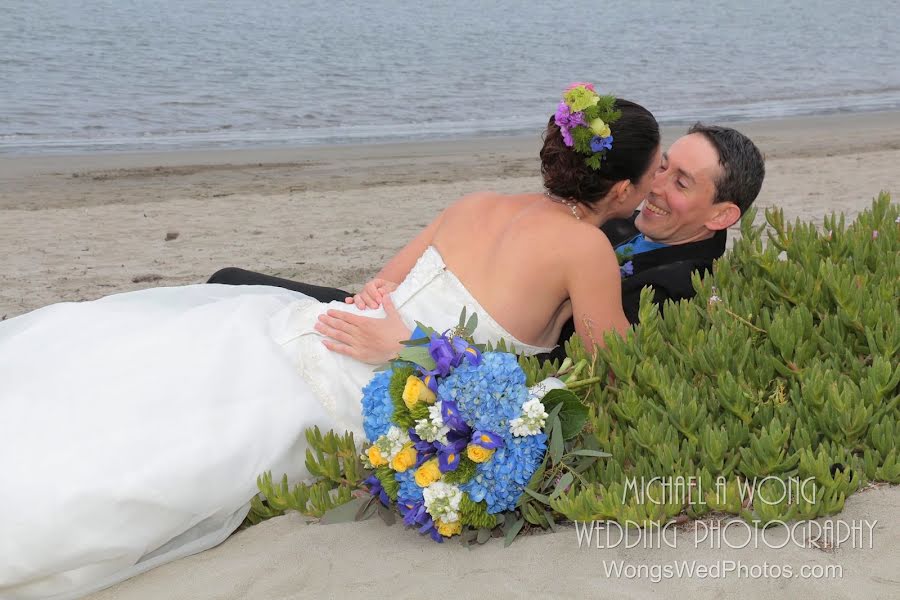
80,227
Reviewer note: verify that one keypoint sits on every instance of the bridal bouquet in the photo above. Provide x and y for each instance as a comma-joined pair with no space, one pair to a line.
457,435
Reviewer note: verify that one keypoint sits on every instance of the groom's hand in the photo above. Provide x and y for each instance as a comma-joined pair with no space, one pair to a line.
368,339
372,294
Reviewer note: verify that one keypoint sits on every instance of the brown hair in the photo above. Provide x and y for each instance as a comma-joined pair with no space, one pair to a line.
635,140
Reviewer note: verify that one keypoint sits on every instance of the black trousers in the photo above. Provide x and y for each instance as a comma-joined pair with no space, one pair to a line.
235,276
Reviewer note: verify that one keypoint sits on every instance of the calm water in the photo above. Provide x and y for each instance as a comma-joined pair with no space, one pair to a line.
80,75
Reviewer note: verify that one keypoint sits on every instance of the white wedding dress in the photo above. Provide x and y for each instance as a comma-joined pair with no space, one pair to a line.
132,428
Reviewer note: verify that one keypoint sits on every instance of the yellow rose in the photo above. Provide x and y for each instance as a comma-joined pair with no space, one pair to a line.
478,454
416,391
448,529
404,459
600,128
375,457
428,473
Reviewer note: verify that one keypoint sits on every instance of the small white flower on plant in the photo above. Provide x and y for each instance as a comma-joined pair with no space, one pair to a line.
442,501
433,427
532,420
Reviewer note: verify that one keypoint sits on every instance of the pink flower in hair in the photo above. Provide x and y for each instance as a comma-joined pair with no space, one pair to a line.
587,86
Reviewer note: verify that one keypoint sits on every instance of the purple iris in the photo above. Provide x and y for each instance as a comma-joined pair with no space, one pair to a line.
414,513
487,440
459,346
449,454
429,378
442,352
627,270
424,448
473,355
599,144
452,419
376,489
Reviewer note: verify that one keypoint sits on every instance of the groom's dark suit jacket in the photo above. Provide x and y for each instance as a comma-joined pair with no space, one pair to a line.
667,270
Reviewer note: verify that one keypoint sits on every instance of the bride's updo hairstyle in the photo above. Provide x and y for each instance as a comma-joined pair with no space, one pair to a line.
593,142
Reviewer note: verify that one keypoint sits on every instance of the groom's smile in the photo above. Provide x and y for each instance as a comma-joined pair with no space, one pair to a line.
679,207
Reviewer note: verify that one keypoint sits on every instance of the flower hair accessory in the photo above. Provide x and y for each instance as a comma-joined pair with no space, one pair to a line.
584,117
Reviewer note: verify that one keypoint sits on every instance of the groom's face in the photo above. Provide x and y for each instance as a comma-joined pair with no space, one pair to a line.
680,203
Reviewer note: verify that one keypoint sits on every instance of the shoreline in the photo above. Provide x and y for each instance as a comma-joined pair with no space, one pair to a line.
872,122
251,141
80,227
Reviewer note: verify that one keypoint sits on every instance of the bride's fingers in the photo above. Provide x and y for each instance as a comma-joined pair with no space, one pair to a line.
338,330
341,348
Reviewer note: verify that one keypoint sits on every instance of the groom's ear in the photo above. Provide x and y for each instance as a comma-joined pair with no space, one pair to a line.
723,216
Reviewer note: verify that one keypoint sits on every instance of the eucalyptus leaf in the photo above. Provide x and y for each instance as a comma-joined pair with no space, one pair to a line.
550,520
472,324
367,509
387,515
548,424
345,513
564,482
586,452
513,531
484,534
556,442
418,355
537,496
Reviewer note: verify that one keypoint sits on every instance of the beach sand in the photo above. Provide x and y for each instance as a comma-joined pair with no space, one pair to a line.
80,227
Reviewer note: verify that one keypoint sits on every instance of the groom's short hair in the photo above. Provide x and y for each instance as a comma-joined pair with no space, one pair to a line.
743,165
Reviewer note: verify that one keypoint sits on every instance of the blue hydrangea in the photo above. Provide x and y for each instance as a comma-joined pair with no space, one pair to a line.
377,406
500,481
489,396
409,489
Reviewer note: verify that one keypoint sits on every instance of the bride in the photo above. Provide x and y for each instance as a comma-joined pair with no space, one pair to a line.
133,427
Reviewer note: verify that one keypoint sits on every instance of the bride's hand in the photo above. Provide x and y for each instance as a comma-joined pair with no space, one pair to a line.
372,294
368,339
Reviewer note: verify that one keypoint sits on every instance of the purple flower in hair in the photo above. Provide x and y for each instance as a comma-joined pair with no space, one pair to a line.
566,120
627,270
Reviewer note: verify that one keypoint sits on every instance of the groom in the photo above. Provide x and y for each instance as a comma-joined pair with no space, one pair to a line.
707,180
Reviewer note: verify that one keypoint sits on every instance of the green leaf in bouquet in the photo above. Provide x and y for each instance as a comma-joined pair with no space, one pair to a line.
484,534
564,482
586,452
346,512
537,496
556,441
418,355
471,324
387,515
367,509
512,530
573,413
462,318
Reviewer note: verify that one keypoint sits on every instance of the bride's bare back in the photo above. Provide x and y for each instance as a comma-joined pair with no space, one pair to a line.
529,262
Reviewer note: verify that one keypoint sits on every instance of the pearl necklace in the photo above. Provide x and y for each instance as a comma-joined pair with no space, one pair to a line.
570,203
